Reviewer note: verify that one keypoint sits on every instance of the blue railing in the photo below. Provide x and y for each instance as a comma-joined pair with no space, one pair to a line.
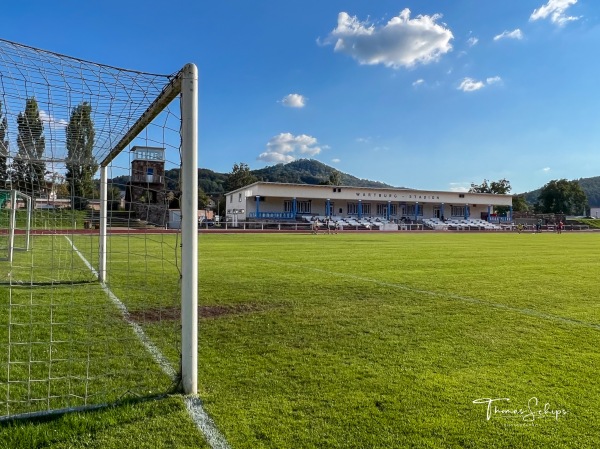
500,219
279,215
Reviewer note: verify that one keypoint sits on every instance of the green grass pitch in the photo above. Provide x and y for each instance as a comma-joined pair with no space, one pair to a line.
364,340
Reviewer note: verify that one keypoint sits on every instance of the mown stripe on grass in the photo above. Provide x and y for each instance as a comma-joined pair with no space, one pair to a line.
529,312
193,404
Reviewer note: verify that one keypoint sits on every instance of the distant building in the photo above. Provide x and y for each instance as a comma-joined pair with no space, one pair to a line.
146,193
281,201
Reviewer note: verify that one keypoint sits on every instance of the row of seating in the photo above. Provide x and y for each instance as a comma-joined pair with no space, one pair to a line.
348,222
378,222
472,224
435,224
460,224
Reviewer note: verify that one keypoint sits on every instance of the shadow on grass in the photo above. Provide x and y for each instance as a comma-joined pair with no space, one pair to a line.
153,421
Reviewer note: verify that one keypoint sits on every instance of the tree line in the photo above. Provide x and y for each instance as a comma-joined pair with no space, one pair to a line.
26,170
558,196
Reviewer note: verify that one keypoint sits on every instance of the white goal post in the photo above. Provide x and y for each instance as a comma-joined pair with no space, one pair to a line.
186,84
11,201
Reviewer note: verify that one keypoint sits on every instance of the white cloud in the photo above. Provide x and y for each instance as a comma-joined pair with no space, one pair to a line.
336,160
294,101
514,34
277,158
51,121
401,42
286,147
472,41
546,169
555,10
471,85
460,186
418,82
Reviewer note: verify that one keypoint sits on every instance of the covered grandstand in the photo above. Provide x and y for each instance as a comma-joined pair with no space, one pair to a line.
347,207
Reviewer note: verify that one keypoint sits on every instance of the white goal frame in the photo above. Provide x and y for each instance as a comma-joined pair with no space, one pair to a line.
186,85
12,225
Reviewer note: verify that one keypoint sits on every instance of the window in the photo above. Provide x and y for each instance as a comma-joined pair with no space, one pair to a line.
353,208
303,207
239,197
410,209
382,209
231,198
458,211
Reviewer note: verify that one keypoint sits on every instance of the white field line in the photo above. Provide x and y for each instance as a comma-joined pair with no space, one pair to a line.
193,403
495,305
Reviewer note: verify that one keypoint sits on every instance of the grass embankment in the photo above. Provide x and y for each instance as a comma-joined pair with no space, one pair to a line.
59,219
591,222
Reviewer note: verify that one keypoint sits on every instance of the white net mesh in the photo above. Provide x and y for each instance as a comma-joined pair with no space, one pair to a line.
67,340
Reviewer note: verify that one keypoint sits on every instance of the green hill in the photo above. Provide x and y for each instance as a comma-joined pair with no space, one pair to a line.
309,171
303,171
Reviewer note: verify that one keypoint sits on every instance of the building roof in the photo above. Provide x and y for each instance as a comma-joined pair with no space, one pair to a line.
280,189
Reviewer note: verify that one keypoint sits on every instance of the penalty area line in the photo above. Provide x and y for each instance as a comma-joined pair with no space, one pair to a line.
495,305
193,403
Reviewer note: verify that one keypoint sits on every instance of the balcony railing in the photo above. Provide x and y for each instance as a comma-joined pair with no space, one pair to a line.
147,179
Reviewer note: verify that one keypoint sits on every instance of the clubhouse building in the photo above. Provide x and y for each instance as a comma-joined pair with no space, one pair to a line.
280,201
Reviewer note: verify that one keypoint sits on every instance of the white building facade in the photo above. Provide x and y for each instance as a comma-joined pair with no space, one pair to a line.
280,201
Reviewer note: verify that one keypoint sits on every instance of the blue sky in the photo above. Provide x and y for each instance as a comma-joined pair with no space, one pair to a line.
416,93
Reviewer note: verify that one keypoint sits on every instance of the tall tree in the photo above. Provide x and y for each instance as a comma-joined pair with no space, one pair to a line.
519,203
81,164
28,168
4,174
240,176
203,199
562,197
500,187
335,179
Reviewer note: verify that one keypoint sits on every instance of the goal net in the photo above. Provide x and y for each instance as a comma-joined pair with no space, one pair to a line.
98,286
